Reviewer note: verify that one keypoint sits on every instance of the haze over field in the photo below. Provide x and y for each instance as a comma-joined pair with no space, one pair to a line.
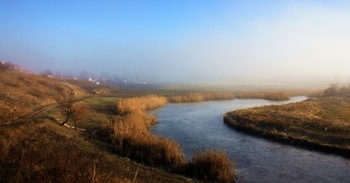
182,41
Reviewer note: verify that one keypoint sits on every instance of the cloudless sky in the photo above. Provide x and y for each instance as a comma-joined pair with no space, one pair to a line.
181,41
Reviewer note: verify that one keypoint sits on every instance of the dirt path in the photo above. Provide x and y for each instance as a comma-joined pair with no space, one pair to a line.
37,112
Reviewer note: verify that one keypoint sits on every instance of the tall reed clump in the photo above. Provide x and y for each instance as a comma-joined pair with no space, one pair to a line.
140,103
129,132
38,154
198,97
213,166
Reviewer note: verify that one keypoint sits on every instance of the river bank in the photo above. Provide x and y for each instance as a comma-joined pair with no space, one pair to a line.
320,123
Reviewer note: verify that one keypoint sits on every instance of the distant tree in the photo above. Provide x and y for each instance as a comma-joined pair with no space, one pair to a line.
67,108
78,114
58,75
46,73
344,91
6,66
331,91
84,75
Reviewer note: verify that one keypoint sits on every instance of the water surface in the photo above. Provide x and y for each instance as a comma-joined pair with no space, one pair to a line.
199,126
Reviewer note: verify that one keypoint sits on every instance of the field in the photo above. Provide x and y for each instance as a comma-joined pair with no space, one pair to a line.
322,123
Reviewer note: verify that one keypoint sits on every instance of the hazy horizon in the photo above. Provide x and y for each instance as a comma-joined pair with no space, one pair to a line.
189,42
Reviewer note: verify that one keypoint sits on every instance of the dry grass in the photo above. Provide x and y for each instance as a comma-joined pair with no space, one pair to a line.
38,153
276,96
199,97
93,88
140,103
211,166
20,93
129,132
322,123
132,139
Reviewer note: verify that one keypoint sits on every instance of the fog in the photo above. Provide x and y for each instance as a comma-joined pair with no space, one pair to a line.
208,42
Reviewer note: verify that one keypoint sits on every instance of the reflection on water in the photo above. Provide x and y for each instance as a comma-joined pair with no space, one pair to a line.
199,126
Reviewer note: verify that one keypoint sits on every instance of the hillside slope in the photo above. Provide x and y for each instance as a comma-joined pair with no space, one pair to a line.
21,92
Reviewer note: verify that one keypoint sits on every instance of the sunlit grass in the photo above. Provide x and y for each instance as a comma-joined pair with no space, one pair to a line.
323,122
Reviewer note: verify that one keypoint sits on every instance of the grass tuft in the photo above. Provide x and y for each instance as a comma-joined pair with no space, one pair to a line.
210,166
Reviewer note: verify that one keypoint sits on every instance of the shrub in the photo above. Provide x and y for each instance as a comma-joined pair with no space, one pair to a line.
210,166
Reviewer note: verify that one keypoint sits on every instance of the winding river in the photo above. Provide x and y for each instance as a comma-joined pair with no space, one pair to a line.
199,126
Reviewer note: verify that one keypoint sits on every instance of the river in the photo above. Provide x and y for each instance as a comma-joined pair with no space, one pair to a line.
199,126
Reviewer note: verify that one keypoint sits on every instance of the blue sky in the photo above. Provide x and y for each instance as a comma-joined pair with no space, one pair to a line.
182,41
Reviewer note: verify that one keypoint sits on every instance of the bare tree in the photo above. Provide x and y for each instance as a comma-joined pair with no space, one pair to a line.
65,104
78,114
67,108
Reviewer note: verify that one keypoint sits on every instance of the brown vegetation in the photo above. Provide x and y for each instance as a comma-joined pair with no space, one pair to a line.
321,123
131,137
39,154
20,93
198,97
65,103
46,152
276,96
140,103
335,90
210,166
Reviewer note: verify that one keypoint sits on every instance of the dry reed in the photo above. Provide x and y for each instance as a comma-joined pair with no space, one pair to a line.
276,96
198,97
211,166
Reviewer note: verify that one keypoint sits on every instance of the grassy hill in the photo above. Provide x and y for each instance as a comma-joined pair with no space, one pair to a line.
20,93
